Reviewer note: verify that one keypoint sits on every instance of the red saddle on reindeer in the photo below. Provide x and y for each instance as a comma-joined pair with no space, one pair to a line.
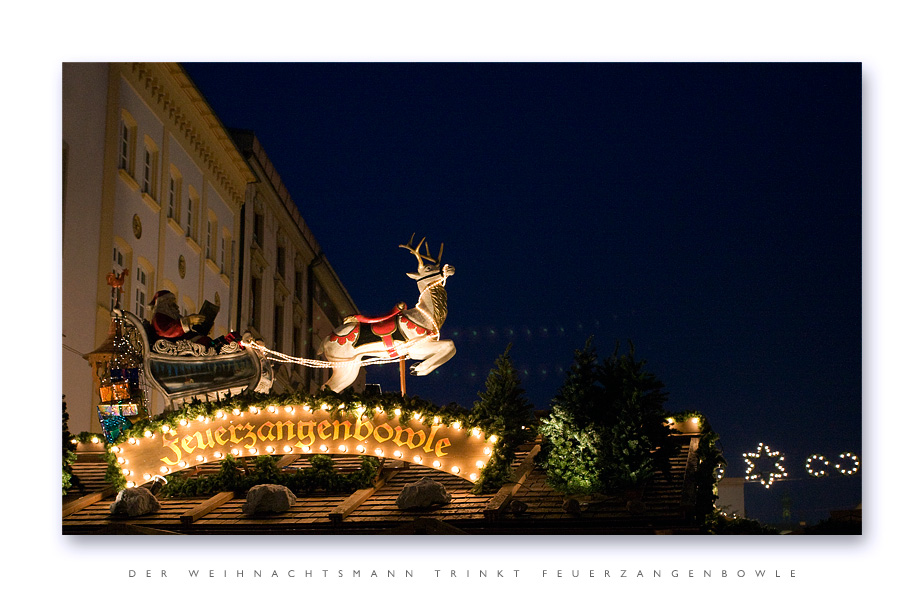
385,329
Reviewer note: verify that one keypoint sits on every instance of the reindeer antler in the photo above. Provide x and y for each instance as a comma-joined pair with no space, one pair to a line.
421,256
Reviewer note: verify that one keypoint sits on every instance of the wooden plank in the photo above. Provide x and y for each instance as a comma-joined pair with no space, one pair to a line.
503,496
359,496
286,460
197,512
80,503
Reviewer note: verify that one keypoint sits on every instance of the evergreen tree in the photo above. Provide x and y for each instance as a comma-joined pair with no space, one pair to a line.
503,409
68,457
607,429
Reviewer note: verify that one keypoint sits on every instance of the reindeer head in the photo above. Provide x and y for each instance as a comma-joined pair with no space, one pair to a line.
427,266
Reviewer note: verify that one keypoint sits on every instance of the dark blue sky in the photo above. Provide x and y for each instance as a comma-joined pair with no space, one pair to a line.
709,213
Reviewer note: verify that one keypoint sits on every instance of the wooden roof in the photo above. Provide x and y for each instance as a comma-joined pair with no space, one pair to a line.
525,505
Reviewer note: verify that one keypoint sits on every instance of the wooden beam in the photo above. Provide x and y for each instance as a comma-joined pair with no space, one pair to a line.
197,512
80,503
342,510
503,496
287,460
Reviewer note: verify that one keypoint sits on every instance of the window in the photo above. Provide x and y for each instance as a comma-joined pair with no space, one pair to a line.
256,288
149,169
209,235
141,291
192,213
281,261
127,131
298,283
258,228
297,341
173,195
278,326
119,260
224,263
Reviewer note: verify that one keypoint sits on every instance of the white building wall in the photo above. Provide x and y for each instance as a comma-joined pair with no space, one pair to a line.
104,206
83,130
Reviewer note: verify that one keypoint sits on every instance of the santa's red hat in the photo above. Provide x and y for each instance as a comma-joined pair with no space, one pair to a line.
159,294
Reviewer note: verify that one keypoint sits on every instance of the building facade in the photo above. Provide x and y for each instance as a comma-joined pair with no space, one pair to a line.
288,294
154,185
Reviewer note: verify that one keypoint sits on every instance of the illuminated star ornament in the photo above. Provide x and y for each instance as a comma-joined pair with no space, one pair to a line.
768,476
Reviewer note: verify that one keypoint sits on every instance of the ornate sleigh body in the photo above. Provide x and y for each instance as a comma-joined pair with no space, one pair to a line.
183,369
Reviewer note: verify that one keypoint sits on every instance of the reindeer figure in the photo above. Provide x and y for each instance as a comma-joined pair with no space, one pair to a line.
403,332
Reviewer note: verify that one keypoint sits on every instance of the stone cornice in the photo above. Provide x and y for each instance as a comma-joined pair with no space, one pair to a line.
172,94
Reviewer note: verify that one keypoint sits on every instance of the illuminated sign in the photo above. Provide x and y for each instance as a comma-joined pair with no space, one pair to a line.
299,430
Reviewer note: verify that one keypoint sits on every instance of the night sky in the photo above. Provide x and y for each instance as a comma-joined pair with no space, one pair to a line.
708,213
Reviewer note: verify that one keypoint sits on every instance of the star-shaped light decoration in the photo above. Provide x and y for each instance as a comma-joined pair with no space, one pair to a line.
755,474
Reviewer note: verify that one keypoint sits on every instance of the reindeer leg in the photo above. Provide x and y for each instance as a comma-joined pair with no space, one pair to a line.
431,357
343,376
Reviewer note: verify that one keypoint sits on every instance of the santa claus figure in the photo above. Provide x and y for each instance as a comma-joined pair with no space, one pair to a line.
169,324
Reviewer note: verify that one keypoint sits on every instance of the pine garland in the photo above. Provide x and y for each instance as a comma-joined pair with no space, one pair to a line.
265,469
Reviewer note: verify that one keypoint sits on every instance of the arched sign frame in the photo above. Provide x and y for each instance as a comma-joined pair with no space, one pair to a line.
191,440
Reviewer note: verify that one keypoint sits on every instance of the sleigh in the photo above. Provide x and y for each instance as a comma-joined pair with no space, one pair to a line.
183,369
